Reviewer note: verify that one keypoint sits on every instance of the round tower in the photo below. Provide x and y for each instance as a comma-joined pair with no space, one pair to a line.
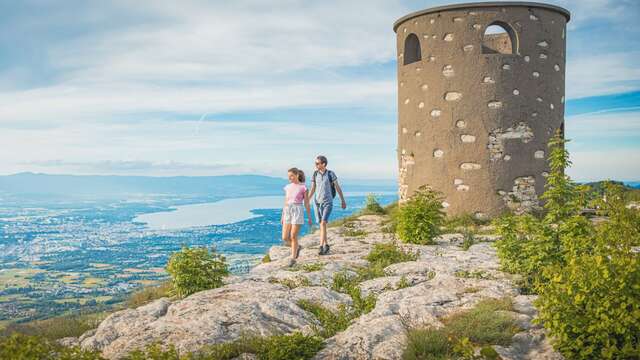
480,93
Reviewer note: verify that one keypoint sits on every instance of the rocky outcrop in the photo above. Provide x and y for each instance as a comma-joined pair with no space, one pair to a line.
444,279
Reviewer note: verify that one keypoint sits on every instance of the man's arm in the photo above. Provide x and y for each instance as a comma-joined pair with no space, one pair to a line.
339,191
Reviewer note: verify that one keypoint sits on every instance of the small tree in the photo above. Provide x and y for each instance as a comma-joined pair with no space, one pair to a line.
196,269
419,219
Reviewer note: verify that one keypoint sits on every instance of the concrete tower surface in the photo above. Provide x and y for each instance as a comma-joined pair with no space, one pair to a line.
476,108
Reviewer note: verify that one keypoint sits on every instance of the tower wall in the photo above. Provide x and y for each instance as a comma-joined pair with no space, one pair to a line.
472,123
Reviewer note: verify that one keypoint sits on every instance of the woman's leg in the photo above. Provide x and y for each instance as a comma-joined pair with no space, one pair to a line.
295,228
286,230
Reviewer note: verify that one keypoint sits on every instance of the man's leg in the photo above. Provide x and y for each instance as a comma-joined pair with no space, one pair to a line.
323,232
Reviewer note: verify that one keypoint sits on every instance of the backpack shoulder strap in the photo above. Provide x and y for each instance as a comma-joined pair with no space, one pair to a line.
313,178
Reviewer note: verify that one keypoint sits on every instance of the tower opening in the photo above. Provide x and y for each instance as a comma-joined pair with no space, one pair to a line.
499,38
412,51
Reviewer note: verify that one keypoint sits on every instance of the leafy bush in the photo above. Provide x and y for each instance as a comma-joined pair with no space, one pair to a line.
468,239
372,206
148,294
587,275
24,347
196,269
419,219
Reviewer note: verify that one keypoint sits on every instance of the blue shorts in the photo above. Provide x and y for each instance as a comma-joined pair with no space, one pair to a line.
323,211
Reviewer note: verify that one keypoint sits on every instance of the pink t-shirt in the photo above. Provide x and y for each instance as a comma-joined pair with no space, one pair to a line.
295,193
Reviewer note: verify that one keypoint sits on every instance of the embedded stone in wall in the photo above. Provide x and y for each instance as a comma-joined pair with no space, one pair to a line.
535,74
522,198
538,154
448,37
556,67
424,87
462,187
543,44
488,80
421,105
447,71
470,166
467,48
404,130
452,96
461,124
406,101
516,92
494,104
436,113
466,138
457,181
497,137
405,162
477,26
438,153
527,58
506,67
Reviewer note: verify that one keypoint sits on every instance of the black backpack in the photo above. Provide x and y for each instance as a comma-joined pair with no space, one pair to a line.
333,186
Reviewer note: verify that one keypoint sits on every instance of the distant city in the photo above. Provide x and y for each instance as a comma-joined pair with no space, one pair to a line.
70,243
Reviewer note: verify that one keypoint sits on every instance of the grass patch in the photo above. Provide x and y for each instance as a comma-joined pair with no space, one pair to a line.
403,283
468,239
385,254
56,327
478,274
266,259
299,281
372,207
148,293
482,326
348,284
310,267
349,229
332,322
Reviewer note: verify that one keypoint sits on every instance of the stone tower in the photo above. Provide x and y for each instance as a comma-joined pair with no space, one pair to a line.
476,108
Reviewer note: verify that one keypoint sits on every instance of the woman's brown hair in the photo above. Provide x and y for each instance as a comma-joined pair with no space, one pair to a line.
299,173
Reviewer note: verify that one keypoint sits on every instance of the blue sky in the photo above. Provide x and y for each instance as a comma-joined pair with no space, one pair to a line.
208,88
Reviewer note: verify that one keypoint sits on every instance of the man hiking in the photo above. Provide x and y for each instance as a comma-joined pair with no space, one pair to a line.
324,184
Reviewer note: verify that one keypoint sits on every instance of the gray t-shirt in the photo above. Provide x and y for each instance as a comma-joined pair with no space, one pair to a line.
323,186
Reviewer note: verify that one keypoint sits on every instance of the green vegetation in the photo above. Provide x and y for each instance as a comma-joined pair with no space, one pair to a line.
468,239
344,283
25,347
372,207
420,218
276,347
476,274
196,269
266,259
462,222
402,283
310,267
483,325
586,274
332,322
385,254
299,281
56,327
148,294
349,229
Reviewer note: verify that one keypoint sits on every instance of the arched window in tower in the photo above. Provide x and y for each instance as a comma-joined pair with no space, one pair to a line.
412,51
499,38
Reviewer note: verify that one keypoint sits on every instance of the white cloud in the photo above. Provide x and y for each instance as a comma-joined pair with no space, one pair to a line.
601,74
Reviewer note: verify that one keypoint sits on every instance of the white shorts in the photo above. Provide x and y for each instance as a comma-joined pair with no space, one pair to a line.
293,214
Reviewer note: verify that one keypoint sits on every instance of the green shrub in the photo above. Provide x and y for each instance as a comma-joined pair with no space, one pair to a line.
332,321
587,276
385,254
24,347
266,259
196,269
148,294
155,352
309,267
419,219
372,206
403,283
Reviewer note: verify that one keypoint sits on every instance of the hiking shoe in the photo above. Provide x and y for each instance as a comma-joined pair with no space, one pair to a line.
326,249
321,252
291,262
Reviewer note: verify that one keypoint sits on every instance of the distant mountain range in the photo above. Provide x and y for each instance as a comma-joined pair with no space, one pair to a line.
113,186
